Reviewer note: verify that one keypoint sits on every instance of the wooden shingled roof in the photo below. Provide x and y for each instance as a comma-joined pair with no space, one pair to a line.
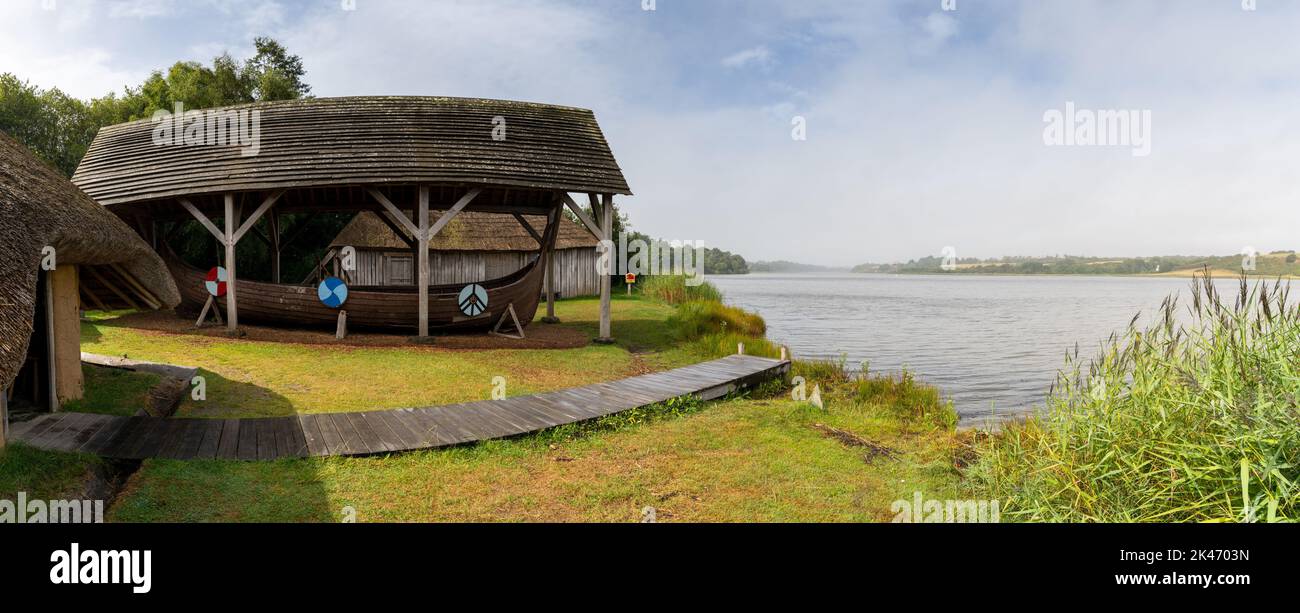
468,231
40,208
324,142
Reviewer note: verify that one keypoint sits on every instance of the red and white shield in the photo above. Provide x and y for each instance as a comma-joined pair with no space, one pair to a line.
216,282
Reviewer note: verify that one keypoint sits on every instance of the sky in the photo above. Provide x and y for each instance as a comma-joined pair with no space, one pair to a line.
832,132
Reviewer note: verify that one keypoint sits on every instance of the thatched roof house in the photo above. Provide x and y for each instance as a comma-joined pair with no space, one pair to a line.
472,247
40,209
402,155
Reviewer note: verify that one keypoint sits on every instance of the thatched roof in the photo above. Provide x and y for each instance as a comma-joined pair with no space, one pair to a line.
363,141
468,231
39,208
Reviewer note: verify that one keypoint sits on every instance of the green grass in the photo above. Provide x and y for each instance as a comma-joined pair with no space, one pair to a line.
762,457
740,460
113,391
43,475
1172,423
673,289
263,379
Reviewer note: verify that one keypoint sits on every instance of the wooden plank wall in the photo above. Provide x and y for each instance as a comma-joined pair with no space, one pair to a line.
577,269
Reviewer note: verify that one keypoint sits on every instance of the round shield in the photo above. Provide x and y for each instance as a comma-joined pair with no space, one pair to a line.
216,282
473,300
333,292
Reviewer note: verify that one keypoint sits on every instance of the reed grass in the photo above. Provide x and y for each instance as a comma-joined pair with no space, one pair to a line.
896,396
1188,419
697,318
673,289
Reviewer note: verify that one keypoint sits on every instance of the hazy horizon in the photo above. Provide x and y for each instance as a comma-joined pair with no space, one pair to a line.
924,127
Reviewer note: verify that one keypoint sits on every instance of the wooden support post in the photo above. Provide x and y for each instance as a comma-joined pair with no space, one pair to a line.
606,234
513,319
69,384
210,306
273,223
4,417
549,262
341,331
740,349
422,247
50,347
232,302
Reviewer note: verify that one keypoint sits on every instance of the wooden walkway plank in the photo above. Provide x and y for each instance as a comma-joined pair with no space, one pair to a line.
228,446
377,432
211,441
312,436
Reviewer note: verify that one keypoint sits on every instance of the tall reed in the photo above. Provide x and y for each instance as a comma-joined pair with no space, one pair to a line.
1191,418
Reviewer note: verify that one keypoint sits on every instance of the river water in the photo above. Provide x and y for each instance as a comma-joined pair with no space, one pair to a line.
992,344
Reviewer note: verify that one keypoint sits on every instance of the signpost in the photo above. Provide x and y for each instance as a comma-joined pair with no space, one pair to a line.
333,293
216,285
630,278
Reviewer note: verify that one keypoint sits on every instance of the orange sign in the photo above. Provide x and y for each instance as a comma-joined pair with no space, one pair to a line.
630,278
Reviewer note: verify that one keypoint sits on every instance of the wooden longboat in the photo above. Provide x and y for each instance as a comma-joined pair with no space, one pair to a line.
372,308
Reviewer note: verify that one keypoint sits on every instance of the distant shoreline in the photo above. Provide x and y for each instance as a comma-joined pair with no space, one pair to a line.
1176,274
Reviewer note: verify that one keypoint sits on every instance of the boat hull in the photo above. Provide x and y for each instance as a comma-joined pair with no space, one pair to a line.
388,309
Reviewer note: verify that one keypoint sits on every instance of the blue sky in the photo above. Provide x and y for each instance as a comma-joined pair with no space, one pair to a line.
924,125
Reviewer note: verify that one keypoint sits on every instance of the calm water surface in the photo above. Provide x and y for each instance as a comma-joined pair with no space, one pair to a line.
993,344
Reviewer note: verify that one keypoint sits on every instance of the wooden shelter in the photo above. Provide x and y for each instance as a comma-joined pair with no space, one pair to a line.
60,252
472,247
401,158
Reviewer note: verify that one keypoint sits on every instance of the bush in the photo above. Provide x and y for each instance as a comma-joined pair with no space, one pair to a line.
899,397
695,319
674,290
1172,423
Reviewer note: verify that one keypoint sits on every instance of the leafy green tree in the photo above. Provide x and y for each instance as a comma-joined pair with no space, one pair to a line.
60,128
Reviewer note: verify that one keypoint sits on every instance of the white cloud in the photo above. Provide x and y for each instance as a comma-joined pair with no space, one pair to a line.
908,150
939,27
141,9
756,55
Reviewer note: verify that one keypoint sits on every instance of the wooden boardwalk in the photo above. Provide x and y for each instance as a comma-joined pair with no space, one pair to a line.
377,432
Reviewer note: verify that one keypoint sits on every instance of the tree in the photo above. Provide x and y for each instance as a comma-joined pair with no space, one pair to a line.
60,128
274,74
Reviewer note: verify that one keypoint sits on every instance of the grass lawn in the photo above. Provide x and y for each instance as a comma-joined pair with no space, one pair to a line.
113,391
262,379
43,475
760,458
735,461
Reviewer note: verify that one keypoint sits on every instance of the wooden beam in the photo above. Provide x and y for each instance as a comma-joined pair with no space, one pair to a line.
531,232
607,221
150,300
452,213
50,347
99,304
320,266
400,231
299,229
69,384
232,302
257,214
387,204
203,219
582,216
273,225
423,235
4,417
94,272
261,236
556,217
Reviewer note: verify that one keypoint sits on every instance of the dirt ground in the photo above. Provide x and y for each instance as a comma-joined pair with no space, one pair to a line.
540,336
